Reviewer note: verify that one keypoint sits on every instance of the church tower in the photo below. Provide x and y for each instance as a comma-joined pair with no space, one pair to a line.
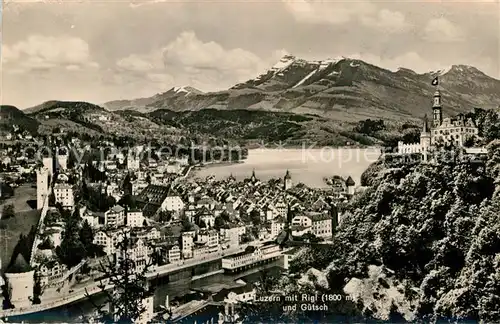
288,180
437,110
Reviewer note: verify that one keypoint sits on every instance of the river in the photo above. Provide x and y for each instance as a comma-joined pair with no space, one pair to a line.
72,313
307,165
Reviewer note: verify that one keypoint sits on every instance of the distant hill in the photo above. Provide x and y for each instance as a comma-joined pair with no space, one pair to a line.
10,116
143,104
62,107
341,89
257,126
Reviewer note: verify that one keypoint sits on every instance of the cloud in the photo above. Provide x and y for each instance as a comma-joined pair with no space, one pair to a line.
135,63
390,21
311,11
46,52
187,60
442,30
190,54
337,13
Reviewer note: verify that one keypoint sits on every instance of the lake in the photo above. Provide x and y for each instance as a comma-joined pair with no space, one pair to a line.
308,165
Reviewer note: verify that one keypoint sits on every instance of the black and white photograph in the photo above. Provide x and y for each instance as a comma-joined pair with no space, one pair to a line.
249,161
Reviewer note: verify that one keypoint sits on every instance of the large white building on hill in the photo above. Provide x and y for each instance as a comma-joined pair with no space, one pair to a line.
455,131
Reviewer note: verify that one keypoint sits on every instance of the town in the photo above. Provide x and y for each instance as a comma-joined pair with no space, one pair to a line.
103,204
171,220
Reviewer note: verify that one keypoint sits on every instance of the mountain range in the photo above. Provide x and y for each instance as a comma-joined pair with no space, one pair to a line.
334,102
341,89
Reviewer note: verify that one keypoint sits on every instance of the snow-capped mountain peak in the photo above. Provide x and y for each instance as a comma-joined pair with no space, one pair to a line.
186,90
179,89
445,70
283,63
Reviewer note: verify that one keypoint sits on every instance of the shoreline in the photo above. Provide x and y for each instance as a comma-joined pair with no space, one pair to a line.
310,146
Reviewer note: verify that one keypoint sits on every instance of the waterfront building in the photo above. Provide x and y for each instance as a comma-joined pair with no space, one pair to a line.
251,257
245,294
187,244
210,239
138,252
174,253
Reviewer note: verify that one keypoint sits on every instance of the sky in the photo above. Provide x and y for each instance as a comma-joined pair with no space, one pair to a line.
104,50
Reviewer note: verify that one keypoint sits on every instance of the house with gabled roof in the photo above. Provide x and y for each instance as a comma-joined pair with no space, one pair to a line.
206,216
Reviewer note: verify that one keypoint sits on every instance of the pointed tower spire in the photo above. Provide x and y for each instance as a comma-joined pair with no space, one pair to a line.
425,128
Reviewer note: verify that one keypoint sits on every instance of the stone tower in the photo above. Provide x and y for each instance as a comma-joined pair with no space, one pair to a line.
42,186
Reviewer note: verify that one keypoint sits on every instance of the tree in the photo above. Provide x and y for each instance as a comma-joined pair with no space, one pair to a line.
186,224
255,217
37,290
164,216
7,304
52,199
130,287
86,237
219,222
8,211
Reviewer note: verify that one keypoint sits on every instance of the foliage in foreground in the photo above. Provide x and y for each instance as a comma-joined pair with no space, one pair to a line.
437,226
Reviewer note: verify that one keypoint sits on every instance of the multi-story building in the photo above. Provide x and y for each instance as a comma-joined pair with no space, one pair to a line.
146,233
135,218
133,163
173,202
64,195
91,218
137,251
277,225
210,238
187,244
174,253
109,239
251,255
319,224
157,197
115,216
